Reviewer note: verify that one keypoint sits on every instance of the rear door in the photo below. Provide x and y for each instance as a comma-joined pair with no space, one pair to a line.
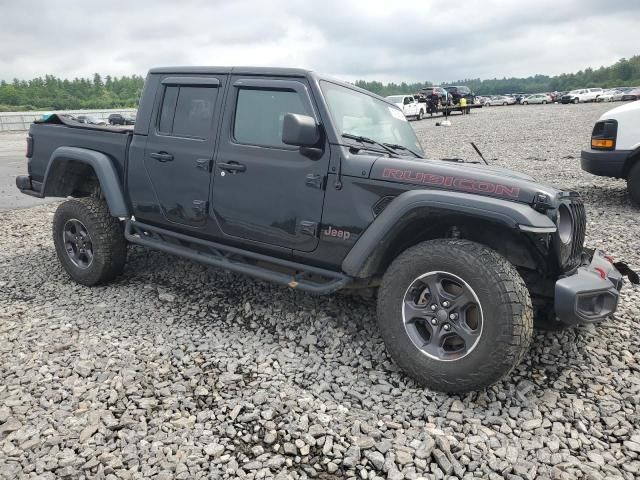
179,150
265,191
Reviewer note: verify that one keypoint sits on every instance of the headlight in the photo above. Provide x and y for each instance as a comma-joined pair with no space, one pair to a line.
564,223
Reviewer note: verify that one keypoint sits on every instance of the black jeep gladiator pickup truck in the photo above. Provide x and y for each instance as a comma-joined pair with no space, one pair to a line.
313,183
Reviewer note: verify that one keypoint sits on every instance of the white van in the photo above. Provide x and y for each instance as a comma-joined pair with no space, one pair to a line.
615,147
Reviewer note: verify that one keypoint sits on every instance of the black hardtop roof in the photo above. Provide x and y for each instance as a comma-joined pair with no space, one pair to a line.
266,71
280,71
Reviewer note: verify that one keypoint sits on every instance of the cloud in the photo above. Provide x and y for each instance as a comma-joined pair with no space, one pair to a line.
373,39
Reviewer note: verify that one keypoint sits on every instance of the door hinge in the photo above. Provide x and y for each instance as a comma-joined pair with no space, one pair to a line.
308,228
315,180
204,164
200,206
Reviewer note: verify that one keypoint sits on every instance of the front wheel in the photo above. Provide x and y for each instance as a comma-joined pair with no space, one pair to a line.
633,183
89,242
576,100
454,315
525,103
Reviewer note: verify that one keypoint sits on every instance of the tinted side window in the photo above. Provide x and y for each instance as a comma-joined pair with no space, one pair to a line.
168,109
260,113
188,111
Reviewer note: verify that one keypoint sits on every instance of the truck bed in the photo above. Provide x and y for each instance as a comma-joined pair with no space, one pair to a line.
49,135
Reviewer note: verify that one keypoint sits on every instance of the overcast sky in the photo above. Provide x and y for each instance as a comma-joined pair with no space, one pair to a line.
386,40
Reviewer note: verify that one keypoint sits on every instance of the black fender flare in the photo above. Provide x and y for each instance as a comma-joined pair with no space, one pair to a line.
101,165
516,216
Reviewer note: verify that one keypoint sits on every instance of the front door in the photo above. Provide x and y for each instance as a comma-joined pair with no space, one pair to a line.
263,190
179,150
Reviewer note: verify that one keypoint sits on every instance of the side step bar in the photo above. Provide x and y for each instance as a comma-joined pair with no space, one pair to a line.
285,272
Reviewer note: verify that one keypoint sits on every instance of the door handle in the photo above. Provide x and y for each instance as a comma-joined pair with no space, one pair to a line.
161,156
232,167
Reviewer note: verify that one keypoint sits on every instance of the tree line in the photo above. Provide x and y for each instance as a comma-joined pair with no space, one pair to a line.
52,93
624,73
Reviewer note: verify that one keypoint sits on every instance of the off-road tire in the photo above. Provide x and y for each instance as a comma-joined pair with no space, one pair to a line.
633,183
507,314
107,236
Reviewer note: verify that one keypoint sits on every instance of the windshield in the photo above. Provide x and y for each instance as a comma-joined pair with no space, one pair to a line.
360,114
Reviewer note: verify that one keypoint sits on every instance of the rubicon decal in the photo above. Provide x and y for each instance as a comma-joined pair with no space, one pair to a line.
457,183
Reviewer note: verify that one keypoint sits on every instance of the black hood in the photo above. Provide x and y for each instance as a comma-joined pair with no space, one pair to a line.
463,177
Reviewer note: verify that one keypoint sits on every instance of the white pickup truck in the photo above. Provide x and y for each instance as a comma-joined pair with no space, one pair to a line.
615,147
409,105
582,95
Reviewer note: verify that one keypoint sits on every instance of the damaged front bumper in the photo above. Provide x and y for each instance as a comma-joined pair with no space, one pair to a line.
590,294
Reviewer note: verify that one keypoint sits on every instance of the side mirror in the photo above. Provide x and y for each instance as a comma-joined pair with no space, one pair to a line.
300,130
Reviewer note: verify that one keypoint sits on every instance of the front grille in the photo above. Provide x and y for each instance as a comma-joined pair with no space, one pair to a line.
573,251
579,229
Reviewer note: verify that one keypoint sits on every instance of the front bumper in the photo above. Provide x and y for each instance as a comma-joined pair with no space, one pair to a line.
605,163
590,294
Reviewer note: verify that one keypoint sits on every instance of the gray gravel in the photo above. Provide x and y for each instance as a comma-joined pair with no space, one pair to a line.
181,371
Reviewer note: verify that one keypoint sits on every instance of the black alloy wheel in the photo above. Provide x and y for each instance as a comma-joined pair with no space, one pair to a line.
442,316
77,243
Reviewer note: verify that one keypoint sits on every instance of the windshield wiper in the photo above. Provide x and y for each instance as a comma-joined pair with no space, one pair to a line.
396,146
361,139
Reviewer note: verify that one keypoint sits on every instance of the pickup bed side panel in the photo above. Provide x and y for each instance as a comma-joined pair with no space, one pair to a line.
111,186
48,137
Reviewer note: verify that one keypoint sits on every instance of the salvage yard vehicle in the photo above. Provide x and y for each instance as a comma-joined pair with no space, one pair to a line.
542,98
501,100
409,105
615,147
296,178
582,95
120,119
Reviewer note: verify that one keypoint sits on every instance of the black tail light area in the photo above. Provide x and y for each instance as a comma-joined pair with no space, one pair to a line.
29,146
604,135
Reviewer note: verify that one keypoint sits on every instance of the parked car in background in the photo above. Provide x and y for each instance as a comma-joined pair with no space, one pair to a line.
409,105
456,92
611,95
121,119
631,95
90,120
582,95
537,98
438,93
615,147
501,100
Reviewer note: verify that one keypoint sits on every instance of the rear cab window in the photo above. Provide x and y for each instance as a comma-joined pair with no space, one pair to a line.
187,111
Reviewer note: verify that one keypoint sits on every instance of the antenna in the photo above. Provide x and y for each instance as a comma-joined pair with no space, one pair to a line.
479,153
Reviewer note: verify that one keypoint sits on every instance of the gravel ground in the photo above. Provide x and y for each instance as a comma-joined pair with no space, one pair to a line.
181,371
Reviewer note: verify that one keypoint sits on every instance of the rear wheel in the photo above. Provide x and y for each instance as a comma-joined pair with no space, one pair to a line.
89,242
633,183
420,114
454,315
544,102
